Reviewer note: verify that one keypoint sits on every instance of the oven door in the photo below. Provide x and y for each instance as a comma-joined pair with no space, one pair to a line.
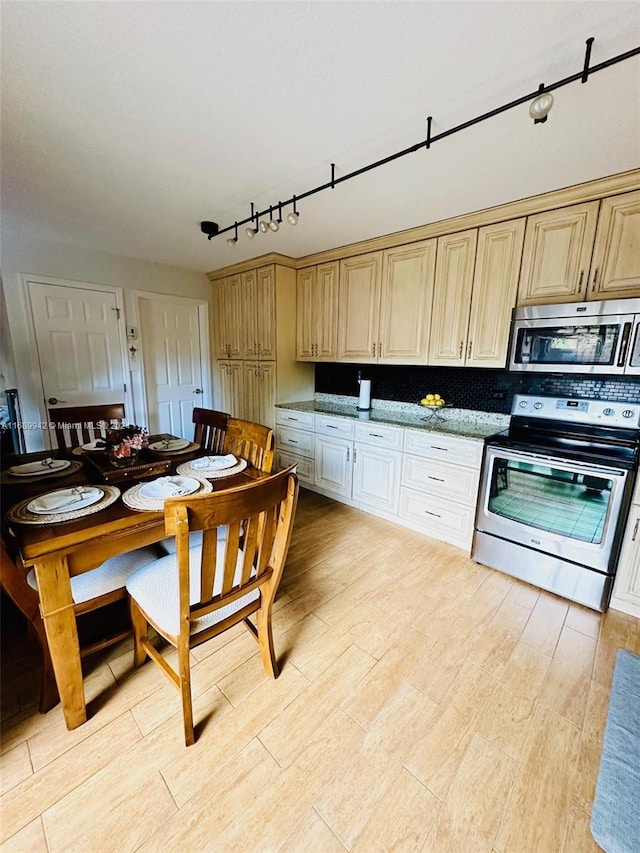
567,509
572,344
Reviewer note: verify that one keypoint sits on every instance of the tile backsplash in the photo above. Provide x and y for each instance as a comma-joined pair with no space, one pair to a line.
469,388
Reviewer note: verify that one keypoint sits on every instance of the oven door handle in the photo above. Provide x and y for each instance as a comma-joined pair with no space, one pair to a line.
517,455
624,344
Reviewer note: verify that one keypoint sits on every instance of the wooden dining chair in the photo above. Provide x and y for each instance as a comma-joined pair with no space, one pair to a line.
91,591
253,442
199,592
77,425
210,429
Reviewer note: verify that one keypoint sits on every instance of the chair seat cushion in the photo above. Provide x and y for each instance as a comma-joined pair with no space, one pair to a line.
110,576
155,588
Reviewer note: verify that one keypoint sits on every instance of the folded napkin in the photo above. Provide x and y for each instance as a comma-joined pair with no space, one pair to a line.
168,487
173,443
214,463
42,466
61,500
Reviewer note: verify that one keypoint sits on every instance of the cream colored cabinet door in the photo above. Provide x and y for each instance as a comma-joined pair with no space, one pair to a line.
260,392
626,589
229,393
557,255
452,297
615,268
359,308
317,312
405,303
227,319
258,314
495,283
333,465
376,477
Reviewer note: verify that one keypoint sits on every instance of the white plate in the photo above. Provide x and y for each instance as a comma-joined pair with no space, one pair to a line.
98,444
57,465
173,445
93,495
154,490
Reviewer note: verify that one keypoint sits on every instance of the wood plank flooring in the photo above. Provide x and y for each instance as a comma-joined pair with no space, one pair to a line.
425,703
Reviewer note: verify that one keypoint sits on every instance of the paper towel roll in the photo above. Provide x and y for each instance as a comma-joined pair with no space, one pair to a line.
364,401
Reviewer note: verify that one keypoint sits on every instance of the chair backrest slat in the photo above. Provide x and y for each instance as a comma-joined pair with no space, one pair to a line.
77,425
210,429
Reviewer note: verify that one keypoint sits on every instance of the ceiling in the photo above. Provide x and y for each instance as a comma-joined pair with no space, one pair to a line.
124,124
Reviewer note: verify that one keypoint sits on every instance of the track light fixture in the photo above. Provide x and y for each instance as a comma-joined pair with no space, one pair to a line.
541,103
231,241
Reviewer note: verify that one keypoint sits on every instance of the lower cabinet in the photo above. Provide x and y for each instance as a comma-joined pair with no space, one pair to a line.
247,389
423,480
626,589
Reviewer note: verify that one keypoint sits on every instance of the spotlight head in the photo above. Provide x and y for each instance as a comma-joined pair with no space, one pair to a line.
292,218
209,228
264,226
251,232
540,107
274,225
231,241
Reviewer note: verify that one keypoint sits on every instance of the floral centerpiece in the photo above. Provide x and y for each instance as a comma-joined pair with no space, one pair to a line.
125,442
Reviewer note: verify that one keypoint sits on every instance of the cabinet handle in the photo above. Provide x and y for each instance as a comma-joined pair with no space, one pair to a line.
635,529
292,441
435,514
580,282
379,349
595,280
469,349
347,454
437,479
331,426
460,350
435,447
354,455
375,435
374,350
292,419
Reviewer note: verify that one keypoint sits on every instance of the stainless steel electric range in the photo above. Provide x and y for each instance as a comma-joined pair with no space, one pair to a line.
554,495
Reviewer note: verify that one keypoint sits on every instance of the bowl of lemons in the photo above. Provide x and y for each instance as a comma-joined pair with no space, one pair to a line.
434,403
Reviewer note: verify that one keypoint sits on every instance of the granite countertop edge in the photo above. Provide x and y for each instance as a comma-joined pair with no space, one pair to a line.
464,423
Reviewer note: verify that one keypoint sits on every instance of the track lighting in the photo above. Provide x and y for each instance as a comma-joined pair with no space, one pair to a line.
541,106
540,102
293,216
231,241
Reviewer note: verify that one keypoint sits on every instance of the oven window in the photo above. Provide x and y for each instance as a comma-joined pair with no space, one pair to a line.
589,345
569,504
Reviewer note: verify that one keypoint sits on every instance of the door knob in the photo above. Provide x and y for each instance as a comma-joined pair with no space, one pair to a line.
198,391
54,401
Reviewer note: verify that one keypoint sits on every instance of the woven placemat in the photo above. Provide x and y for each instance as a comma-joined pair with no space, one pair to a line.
7,479
187,470
190,448
134,500
21,515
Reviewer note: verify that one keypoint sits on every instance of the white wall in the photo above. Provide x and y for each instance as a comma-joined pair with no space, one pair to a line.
20,256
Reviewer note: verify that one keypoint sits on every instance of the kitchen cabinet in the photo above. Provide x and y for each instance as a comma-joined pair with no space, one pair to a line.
228,338
259,389
258,314
495,283
557,255
385,303
615,267
295,443
333,464
229,388
317,312
626,588
376,467
452,297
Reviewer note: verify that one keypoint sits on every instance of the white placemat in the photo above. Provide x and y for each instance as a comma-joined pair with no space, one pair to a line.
20,514
189,471
134,500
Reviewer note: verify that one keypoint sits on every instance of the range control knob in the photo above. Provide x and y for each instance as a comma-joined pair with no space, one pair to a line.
628,413
523,404
608,412
537,405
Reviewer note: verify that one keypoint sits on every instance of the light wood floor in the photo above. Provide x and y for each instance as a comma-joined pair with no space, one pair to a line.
424,703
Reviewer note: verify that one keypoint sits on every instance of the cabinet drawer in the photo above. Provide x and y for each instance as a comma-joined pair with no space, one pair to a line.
440,478
327,425
299,420
439,518
295,440
460,451
381,436
304,468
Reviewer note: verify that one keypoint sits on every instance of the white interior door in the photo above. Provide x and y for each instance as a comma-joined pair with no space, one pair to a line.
172,344
79,348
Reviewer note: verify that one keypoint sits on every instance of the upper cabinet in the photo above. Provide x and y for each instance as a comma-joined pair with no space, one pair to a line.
557,255
258,314
495,283
615,267
317,312
227,318
452,297
385,304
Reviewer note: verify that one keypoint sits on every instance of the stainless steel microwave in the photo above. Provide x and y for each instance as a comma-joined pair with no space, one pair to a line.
579,337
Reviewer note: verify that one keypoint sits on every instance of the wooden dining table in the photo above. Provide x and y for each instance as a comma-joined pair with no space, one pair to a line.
60,550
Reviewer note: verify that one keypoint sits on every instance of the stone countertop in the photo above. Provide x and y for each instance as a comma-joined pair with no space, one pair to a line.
463,423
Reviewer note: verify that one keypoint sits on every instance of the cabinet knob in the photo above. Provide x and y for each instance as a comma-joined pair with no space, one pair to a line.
469,345
374,350
580,281
460,350
595,280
